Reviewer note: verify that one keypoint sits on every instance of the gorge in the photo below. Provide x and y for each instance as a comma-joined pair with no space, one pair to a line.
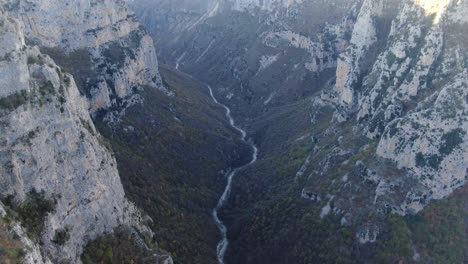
323,87
233,131
223,244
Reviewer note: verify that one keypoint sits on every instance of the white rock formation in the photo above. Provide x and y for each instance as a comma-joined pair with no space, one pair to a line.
363,36
48,144
431,144
98,27
412,100
11,43
266,61
321,52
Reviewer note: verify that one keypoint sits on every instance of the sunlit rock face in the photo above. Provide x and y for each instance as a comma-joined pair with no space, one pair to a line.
435,8
407,36
114,54
363,37
429,138
410,99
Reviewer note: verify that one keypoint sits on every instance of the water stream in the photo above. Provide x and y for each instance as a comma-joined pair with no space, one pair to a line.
224,242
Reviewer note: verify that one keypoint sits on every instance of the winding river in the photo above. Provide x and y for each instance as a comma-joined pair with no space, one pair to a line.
224,242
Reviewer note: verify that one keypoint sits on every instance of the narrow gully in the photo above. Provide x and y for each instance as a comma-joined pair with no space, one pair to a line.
230,175
224,242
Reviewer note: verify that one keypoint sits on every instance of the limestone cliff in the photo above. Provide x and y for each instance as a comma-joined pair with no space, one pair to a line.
411,98
428,138
113,53
364,35
52,155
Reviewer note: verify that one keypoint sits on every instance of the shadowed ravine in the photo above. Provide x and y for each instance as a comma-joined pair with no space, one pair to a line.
230,174
223,243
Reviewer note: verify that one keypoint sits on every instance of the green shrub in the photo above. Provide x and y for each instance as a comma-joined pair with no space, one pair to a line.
61,236
432,161
451,140
33,211
14,101
391,58
35,60
119,247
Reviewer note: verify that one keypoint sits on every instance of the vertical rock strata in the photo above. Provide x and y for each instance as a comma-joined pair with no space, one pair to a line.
50,151
113,54
413,99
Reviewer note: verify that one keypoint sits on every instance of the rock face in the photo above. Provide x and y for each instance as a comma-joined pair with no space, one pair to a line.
48,143
411,100
363,37
113,53
431,143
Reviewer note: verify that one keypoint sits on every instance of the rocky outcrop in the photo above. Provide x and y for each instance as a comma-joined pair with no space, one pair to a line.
49,148
402,85
349,63
116,54
401,72
411,100
431,144
322,53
